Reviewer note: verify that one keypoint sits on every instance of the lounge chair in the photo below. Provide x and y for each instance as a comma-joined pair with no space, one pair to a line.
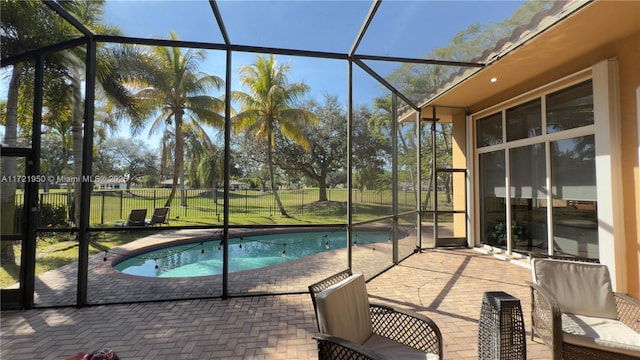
576,313
137,217
352,328
160,216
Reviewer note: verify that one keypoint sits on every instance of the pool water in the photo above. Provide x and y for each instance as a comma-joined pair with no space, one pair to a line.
247,253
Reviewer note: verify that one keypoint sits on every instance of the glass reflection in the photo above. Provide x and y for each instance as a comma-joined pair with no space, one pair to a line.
492,198
570,108
528,198
489,130
573,173
524,121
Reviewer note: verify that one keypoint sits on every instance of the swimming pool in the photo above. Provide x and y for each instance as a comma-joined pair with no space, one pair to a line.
245,253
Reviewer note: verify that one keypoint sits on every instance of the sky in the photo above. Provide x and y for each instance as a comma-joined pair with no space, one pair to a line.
399,29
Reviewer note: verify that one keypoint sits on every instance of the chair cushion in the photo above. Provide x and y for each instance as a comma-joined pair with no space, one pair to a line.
343,310
395,350
599,333
579,288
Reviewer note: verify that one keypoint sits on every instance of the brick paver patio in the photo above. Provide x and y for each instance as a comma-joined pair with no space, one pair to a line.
446,285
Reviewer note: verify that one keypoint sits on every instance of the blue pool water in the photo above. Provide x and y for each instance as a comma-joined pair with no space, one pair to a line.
247,253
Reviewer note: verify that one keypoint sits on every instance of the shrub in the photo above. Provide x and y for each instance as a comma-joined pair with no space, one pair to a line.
53,215
518,232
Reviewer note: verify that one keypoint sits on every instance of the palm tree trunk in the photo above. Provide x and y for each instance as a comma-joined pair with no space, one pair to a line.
414,181
179,159
8,166
283,212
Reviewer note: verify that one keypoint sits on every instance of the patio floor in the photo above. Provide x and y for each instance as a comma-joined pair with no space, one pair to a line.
446,285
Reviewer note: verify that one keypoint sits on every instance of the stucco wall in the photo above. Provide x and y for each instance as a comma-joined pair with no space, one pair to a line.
628,55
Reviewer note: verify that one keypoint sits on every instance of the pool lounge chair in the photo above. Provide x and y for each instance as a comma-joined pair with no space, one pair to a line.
352,328
160,216
137,217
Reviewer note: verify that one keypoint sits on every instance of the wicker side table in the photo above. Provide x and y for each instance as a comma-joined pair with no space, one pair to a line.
501,328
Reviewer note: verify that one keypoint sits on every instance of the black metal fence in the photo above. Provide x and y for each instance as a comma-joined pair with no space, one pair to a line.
205,206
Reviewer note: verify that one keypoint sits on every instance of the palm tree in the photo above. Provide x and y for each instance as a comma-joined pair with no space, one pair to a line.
23,23
380,124
177,92
109,79
269,108
203,157
27,21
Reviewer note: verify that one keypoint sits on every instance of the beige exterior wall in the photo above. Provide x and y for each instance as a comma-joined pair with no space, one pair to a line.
628,55
459,179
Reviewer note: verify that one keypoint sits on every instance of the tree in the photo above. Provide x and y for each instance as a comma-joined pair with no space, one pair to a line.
380,123
369,151
108,79
23,25
269,106
177,93
206,160
124,158
419,82
328,151
251,158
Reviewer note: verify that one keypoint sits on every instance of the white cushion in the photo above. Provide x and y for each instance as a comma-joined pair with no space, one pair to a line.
343,310
600,333
395,350
578,287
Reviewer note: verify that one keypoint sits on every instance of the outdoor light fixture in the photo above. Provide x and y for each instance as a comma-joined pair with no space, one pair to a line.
493,79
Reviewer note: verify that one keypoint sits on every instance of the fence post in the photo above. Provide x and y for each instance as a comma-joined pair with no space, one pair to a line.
102,210
302,207
121,191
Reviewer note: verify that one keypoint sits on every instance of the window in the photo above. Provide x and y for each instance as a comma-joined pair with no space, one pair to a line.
489,130
524,121
570,108
528,176
573,174
492,198
561,154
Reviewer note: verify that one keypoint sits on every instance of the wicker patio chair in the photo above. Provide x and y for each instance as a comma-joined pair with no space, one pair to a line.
576,313
352,328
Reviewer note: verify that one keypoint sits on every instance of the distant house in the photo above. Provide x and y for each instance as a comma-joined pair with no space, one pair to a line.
110,184
237,185
166,184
